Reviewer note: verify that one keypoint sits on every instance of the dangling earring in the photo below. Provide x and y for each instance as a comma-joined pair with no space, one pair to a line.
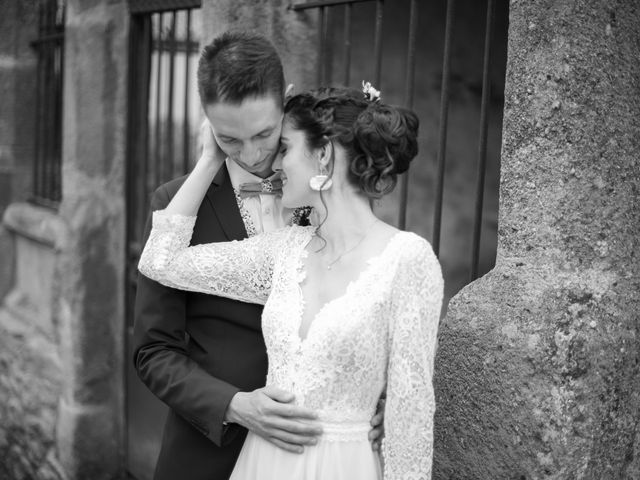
320,182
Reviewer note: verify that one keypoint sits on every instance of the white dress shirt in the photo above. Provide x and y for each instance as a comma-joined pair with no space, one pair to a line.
264,211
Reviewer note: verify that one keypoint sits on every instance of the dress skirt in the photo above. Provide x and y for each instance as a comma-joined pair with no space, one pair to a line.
336,456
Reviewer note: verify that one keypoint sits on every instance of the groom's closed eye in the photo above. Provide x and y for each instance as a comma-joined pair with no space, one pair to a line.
265,134
228,139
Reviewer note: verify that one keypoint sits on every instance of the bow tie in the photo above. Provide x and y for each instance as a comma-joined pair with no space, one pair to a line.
266,186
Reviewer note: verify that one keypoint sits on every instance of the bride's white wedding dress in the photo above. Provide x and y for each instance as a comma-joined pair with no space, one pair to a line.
379,335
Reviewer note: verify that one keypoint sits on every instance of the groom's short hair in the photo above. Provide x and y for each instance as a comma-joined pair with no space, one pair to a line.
238,65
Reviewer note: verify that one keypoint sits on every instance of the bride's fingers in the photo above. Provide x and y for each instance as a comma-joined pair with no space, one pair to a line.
375,438
376,420
210,148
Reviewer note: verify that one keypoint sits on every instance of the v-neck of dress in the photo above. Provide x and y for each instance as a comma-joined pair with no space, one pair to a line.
301,275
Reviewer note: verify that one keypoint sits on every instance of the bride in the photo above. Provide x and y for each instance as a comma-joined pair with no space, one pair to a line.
351,304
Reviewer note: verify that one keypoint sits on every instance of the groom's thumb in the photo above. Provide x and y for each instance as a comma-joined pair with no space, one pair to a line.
278,394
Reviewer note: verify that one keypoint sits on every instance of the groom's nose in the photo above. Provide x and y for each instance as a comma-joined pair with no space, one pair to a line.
250,153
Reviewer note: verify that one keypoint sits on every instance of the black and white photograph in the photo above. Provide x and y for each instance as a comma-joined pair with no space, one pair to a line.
319,240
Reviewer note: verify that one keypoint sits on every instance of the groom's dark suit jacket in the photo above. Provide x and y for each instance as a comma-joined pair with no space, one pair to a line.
195,351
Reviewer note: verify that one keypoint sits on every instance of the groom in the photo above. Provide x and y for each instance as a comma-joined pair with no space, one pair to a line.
204,356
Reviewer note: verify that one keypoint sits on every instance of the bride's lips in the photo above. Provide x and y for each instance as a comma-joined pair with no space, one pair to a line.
283,177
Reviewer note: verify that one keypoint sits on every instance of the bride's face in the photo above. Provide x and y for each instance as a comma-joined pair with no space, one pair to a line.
298,165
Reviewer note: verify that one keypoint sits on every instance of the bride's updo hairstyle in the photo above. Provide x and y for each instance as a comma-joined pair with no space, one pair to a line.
380,140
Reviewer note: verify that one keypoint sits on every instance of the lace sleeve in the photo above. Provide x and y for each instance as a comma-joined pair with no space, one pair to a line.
410,406
240,270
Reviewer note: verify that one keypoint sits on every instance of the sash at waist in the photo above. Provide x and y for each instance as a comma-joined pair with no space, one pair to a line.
345,431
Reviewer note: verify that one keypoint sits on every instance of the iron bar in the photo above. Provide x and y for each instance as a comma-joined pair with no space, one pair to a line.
443,125
57,179
378,44
347,43
50,120
185,123
179,45
157,6
47,114
408,101
329,47
139,41
168,162
143,94
47,167
39,130
157,153
321,45
49,37
482,146
324,3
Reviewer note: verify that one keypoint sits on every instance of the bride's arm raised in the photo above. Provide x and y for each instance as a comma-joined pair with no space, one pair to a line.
417,299
237,270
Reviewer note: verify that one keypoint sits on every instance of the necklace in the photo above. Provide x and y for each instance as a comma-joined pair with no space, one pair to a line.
366,234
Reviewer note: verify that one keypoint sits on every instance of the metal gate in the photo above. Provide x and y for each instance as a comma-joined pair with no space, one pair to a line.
164,119
335,54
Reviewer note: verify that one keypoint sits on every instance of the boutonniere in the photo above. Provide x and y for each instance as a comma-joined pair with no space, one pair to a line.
301,216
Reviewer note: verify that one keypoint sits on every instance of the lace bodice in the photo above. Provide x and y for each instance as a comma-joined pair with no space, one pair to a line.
380,334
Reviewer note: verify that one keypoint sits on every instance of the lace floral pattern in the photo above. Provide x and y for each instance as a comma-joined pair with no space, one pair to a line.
249,226
380,334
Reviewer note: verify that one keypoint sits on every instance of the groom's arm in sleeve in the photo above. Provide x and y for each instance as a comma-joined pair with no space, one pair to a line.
161,358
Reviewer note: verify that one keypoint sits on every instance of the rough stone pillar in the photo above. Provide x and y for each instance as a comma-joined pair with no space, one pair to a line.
293,33
90,310
537,373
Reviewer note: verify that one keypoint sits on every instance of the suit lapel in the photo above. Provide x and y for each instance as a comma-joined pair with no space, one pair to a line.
222,200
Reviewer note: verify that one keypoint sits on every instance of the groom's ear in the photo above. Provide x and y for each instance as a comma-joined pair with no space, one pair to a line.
289,92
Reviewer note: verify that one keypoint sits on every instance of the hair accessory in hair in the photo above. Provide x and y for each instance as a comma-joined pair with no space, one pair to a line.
370,93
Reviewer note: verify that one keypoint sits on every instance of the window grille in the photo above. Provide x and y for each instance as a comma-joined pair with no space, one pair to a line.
47,171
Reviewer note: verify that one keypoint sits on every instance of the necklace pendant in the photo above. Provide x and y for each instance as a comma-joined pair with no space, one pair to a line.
328,267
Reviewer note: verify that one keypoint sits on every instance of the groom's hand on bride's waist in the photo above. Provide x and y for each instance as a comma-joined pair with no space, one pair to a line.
271,413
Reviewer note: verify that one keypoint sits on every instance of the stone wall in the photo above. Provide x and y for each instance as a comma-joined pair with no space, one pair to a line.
62,322
30,370
537,369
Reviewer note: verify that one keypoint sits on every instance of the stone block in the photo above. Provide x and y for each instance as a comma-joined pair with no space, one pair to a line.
36,234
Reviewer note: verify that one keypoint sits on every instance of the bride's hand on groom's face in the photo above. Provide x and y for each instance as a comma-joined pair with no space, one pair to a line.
271,413
211,151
